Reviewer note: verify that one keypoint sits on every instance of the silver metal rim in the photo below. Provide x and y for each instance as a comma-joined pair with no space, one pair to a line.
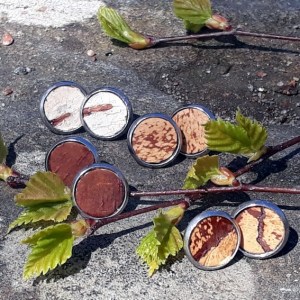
76,139
106,167
165,162
282,217
206,111
123,98
194,222
42,105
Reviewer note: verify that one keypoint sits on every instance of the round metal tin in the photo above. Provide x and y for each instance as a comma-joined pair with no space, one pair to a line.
264,228
67,157
106,113
211,240
154,140
100,191
60,107
190,119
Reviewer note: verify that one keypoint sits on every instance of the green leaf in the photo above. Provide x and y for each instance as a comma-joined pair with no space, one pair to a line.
43,187
257,134
247,138
51,247
56,212
201,171
223,136
161,242
192,27
116,27
3,150
193,11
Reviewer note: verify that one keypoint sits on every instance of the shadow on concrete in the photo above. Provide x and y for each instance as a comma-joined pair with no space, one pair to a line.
12,156
266,167
234,43
81,254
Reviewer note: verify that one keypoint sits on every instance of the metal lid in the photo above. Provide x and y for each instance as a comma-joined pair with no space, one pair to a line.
264,228
190,119
100,191
67,157
60,107
211,240
154,140
106,113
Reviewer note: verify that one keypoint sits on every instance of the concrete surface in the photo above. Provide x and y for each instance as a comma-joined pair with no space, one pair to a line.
51,39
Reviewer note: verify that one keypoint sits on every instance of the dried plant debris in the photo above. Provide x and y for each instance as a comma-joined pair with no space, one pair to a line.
289,89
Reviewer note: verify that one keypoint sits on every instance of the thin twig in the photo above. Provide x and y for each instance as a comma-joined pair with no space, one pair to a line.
233,32
136,212
215,190
204,191
271,150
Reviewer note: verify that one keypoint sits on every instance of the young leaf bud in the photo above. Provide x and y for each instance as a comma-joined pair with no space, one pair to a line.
5,172
79,228
116,27
226,177
218,22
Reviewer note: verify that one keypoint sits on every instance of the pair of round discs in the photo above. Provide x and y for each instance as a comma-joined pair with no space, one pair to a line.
105,113
99,189
155,140
258,228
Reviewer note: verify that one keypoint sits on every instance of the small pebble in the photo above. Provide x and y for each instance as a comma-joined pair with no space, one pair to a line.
90,53
22,70
7,91
261,74
250,87
7,39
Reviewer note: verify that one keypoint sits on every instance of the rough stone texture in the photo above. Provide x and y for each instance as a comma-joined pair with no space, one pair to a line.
221,74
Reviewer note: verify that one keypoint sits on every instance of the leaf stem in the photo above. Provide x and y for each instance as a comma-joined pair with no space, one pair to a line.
215,190
271,150
234,32
136,212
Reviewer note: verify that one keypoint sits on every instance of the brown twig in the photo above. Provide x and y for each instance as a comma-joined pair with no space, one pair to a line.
216,190
234,32
190,194
271,150
136,212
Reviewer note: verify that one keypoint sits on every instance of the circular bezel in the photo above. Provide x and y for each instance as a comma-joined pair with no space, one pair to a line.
140,120
44,98
194,222
127,104
75,139
206,111
275,209
111,168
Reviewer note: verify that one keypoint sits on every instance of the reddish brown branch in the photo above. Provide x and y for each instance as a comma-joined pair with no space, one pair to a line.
136,212
234,32
216,190
270,151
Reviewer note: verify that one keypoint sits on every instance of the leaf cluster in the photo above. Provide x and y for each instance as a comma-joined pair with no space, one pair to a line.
247,137
46,198
163,240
